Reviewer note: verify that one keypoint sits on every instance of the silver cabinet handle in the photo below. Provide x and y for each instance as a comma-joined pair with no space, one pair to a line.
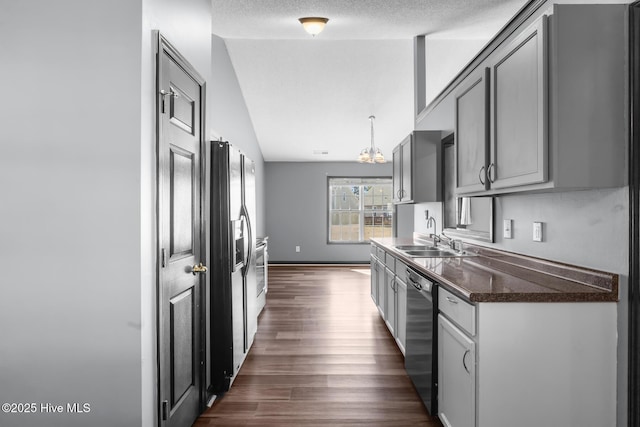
489,173
451,300
464,363
480,175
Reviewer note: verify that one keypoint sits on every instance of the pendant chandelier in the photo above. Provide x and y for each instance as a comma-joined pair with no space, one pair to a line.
371,154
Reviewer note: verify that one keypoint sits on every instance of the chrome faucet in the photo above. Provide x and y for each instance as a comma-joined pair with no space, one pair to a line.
431,221
454,244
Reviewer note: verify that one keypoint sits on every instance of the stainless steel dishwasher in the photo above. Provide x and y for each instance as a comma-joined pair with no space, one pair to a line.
421,361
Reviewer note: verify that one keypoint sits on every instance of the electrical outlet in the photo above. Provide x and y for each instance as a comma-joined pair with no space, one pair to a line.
537,232
507,227
297,248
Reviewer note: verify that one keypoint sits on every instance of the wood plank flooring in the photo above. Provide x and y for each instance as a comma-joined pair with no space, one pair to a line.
322,356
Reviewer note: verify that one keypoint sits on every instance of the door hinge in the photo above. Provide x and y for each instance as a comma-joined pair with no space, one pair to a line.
165,410
164,257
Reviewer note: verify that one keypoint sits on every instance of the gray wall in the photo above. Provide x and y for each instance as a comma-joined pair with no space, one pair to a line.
70,168
297,210
77,248
229,119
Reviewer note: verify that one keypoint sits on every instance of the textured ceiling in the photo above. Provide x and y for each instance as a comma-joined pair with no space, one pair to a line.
308,94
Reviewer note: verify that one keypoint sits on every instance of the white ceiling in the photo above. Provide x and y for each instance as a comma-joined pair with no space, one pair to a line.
308,94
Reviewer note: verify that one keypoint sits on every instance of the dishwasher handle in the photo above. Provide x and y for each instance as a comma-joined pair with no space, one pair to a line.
415,284
422,284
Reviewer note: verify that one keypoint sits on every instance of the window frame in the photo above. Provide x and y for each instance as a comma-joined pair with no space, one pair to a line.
361,209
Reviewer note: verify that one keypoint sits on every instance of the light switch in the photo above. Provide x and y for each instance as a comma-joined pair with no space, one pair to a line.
297,248
506,229
537,232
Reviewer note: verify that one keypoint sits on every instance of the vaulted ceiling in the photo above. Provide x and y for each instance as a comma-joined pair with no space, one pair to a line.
308,96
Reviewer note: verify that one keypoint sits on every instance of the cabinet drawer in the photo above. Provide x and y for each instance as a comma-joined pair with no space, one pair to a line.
380,253
390,262
457,310
401,269
374,250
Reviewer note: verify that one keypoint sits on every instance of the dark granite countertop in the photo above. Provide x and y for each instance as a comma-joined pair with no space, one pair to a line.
489,275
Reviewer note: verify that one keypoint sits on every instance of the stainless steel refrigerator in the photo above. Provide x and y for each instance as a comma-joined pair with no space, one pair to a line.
233,305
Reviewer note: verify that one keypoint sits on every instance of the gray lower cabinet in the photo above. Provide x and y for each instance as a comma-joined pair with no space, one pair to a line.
382,290
389,293
401,313
374,278
390,311
456,361
505,364
456,376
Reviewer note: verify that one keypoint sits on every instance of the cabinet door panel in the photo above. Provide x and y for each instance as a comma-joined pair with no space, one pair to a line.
407,170
374,279
382,292
401,313
518,107
471,133
397,174
456,376
390,311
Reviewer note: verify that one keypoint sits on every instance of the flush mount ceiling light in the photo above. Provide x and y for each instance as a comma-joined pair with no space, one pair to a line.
371,154
313,25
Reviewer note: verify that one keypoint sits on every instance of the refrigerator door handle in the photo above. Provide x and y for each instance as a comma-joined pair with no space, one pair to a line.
247,263
237,227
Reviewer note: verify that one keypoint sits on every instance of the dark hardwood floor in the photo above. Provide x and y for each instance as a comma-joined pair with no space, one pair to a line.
322,356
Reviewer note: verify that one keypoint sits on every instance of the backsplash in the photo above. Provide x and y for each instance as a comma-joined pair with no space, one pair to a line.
587,228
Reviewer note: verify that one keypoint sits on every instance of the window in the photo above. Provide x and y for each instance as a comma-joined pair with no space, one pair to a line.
359,209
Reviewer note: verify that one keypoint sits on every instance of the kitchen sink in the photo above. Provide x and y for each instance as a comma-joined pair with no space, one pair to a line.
432,253
416,248
425,251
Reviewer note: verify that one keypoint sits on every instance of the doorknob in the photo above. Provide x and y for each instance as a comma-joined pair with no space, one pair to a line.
199,269
171,93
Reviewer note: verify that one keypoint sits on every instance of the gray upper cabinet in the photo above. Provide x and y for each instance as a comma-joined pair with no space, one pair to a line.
587,90
519,111
397,177
417,165
471,132
407,150
546,109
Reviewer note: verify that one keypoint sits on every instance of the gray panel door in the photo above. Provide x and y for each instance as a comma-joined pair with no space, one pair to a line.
407,169
179,227
397,174
519,108
471,134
